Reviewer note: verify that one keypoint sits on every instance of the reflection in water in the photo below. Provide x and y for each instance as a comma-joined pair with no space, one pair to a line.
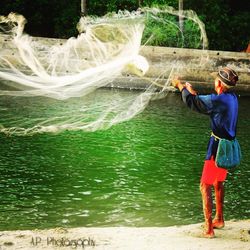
144,172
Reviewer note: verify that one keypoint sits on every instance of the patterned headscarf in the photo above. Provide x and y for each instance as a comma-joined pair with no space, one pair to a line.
228,76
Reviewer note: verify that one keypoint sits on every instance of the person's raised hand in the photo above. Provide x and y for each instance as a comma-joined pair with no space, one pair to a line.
175,82
190,88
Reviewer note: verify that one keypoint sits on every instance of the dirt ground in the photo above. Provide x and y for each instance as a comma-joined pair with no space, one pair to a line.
235,235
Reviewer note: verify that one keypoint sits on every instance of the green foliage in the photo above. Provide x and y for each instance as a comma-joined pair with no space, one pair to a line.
240,31
150,3
65,21
163,30
226,21
192,35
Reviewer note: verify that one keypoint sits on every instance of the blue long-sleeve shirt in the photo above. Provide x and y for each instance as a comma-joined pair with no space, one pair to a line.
223,112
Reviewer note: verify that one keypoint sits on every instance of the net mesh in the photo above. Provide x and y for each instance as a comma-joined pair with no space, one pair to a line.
49,87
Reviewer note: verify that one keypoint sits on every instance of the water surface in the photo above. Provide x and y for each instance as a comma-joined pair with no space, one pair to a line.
143,172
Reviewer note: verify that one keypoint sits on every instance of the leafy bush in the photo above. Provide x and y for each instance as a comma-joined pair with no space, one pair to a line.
163,30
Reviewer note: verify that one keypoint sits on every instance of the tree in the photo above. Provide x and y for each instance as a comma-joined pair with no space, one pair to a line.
140,3
83,7
180,15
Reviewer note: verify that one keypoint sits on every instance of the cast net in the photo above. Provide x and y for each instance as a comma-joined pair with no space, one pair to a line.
57,85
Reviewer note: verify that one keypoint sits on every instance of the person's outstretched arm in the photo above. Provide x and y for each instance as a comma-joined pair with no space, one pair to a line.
198,103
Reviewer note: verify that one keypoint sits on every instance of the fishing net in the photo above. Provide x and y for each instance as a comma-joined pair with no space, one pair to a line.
56,85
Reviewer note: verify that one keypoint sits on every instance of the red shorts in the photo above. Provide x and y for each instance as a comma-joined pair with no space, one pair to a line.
211,173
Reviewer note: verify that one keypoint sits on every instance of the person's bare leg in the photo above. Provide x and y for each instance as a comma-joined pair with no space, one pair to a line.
218,221
206,193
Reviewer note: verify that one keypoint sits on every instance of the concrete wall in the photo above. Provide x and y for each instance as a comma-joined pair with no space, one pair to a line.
194,66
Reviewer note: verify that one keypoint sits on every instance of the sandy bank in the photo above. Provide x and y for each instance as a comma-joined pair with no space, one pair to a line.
236,235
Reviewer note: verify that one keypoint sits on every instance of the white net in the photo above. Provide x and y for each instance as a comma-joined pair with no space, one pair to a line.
51,88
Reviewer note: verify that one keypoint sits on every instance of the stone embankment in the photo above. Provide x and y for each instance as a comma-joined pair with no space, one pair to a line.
196,66
192,65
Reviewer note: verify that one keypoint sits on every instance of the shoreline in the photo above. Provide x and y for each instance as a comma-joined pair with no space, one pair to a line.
235,235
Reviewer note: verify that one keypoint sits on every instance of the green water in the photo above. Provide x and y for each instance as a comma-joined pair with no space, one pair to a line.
144,172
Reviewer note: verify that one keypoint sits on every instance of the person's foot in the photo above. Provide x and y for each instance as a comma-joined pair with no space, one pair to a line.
218,224
208,234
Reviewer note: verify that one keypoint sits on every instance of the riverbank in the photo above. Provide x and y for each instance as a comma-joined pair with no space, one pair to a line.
192,65
236,235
